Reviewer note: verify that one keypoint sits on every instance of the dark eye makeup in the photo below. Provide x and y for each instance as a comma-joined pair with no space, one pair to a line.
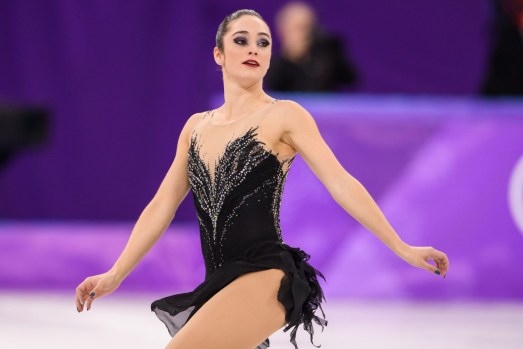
243,41
263,43
240,41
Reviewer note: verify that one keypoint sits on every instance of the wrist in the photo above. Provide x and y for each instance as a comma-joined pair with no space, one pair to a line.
116,274
401,248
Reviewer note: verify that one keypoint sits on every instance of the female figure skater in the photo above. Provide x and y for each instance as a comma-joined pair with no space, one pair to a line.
235,159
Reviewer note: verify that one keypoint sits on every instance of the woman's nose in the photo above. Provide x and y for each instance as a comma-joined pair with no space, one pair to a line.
254,50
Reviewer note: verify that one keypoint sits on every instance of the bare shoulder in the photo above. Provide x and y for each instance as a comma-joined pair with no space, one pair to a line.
291,114
190,125
195,119
289,107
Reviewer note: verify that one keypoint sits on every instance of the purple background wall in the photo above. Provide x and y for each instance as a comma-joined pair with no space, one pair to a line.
121,78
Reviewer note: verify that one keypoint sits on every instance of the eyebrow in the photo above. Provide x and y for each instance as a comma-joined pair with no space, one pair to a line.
246,32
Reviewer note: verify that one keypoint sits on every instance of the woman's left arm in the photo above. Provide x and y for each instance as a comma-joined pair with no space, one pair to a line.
301,132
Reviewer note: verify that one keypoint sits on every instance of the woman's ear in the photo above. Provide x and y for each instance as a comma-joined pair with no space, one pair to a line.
218,56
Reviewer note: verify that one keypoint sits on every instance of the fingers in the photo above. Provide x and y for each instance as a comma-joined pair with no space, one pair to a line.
441,260
81,295
431,268
90,299
83,292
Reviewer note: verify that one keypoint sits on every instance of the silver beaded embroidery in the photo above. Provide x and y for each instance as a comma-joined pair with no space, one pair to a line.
240,158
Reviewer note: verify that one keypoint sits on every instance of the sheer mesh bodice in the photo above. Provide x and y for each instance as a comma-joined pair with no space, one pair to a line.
238,197
237,184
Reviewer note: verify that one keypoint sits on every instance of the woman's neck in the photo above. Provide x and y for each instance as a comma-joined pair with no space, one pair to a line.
239,100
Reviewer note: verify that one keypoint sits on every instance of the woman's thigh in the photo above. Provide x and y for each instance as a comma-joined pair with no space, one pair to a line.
240,316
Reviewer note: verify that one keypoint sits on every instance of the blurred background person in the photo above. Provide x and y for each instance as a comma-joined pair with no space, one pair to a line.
505,68
310,59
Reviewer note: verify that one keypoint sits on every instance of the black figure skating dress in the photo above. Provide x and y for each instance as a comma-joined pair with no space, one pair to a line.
238,203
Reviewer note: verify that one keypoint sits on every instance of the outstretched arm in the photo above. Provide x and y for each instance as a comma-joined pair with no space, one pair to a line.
151,224
301,132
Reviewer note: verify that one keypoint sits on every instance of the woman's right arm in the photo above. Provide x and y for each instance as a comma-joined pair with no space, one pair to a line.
151,224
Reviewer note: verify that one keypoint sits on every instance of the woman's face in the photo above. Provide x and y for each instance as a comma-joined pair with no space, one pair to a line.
246,50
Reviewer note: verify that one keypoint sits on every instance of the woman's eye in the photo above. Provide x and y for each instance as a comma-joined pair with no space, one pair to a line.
263,43
240,41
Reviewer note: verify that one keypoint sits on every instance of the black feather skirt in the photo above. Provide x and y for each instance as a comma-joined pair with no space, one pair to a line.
299,292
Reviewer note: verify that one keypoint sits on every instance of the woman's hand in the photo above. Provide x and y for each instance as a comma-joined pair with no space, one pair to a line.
95,287
419,257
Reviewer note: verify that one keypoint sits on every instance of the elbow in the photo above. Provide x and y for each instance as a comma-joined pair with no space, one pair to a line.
338,190
341,188
162,210
337,194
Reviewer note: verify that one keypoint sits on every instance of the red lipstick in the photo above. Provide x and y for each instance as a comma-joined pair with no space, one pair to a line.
252,63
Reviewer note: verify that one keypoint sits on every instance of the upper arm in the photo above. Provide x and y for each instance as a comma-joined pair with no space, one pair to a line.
302,133
175,184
